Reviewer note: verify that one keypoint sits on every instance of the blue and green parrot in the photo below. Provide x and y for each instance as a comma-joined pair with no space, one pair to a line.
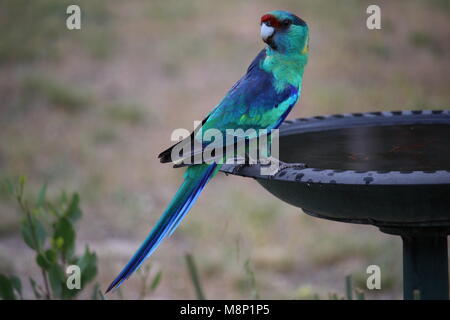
261,99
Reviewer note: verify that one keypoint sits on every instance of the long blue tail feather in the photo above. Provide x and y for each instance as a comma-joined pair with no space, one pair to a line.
196,178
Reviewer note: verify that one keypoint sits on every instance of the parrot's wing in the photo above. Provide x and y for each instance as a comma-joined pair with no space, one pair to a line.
252,103
166,155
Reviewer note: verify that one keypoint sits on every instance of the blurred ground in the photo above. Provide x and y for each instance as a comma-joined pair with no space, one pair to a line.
89,111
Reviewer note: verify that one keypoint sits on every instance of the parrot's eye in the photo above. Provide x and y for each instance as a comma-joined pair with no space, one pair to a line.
286,23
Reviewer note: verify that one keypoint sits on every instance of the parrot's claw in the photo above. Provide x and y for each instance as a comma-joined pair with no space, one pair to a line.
238,168
272,166
241,163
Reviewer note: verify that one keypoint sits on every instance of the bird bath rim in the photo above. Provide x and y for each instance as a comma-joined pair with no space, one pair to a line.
296,173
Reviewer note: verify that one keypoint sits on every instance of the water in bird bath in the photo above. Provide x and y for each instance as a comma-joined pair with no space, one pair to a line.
418,147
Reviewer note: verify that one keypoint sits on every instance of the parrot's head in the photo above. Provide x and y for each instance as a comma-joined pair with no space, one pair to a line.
285,32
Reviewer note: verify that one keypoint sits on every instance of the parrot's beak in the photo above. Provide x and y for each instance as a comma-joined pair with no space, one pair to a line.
266,32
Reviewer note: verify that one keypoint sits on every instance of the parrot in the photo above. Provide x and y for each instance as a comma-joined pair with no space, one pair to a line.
261,99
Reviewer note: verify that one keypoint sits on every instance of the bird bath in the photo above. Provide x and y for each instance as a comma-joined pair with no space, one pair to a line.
387,169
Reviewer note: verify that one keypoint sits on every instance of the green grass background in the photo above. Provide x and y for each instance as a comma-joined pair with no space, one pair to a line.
90,110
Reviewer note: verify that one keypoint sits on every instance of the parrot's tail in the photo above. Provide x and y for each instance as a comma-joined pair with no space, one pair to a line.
195,180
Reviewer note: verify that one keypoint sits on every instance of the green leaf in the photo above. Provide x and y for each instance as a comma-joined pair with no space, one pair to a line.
46,259
41,233
52,209
6,288
41,197
51,255
21,187
64,229
36,290
57,243
68,293
73,212
88,266
17,285
43,262
28,234
63,197
57,280
156,280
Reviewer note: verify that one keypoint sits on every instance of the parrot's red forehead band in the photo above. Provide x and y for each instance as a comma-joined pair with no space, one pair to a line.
270,20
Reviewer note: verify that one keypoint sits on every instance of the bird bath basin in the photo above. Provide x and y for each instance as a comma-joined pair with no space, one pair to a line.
387,169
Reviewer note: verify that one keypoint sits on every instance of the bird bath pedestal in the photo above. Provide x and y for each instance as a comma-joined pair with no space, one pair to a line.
387,169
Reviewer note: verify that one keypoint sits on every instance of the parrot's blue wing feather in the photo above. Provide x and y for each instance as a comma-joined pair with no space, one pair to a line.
251,99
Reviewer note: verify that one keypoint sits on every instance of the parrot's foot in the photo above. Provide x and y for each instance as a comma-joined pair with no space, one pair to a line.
238,168
241,163
271,166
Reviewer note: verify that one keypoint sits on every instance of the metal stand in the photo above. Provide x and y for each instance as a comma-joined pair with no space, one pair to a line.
425,262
